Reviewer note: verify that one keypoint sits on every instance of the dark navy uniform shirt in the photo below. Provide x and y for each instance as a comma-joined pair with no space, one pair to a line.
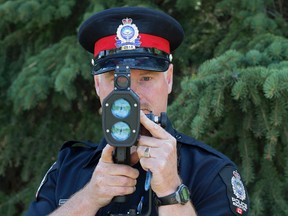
215,184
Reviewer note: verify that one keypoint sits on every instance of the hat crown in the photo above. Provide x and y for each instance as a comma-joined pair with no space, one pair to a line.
148,21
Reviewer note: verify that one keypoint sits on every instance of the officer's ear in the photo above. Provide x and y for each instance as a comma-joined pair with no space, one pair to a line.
96,83
169,78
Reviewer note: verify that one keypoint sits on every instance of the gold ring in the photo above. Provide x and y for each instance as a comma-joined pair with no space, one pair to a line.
147,152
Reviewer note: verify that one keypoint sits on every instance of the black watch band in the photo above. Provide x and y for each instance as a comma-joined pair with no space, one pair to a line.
181,196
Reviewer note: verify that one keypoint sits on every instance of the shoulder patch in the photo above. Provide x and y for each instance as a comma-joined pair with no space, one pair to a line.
236,191
53,167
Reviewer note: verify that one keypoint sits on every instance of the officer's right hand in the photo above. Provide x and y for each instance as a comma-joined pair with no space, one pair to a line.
110,179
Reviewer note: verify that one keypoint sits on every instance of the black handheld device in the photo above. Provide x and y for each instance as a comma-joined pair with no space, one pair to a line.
121,115
121,123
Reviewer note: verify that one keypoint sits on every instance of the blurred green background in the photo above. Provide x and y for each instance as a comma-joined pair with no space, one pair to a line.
230,89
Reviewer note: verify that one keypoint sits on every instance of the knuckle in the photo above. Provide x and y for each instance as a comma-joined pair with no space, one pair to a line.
126,181
125,190
126,169
136,173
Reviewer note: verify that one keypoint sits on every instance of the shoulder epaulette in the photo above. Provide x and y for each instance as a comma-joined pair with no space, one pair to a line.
72,143
191,141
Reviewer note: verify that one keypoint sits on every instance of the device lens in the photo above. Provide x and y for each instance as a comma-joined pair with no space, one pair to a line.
121,108
122,82
120,131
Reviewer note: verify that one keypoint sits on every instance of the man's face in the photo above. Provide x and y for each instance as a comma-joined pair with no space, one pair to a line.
152,88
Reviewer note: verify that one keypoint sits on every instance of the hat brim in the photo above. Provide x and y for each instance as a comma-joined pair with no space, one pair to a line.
134,61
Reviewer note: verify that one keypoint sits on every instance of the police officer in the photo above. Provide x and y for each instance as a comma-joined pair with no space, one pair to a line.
188,177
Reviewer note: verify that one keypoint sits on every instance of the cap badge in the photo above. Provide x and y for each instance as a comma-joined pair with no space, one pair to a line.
238,187
127,35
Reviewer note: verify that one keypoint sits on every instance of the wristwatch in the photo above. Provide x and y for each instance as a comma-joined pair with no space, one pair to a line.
181,196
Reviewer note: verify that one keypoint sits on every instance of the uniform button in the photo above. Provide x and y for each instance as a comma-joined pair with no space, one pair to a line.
178,136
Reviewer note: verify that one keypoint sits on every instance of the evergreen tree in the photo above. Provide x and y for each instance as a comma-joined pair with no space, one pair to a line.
47,91
238,101
235,101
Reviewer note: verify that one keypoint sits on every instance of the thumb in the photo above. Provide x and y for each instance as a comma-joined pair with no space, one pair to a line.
107,154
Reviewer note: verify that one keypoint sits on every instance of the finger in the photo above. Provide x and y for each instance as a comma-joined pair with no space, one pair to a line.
120,181
155,129
123,170
112,169
141,152
149,164
112,191
149,141
107,154
154,152
119,191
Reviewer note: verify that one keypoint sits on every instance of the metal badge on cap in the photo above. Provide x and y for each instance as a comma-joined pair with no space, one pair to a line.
127,35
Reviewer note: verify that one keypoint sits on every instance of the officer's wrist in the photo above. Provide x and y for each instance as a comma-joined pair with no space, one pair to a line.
169,190
91,196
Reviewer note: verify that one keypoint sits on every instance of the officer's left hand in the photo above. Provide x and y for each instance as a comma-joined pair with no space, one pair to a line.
163,157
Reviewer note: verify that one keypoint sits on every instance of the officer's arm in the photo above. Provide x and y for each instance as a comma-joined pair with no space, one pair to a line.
108,180
177,209
45,202
79,204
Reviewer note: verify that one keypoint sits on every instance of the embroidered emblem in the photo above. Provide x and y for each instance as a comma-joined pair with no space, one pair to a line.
236,192
127,35
237,186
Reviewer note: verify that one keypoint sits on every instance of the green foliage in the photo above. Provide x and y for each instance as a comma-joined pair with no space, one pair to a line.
233,90
53,68
238,102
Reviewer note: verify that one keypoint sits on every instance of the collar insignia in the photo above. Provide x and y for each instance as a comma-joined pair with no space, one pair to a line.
127,35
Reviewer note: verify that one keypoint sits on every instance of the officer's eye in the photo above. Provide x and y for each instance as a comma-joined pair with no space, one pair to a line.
146,78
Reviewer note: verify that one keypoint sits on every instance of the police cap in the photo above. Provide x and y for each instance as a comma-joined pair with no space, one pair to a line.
139,37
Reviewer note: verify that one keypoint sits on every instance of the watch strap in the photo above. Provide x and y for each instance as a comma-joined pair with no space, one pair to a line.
167,200
175,198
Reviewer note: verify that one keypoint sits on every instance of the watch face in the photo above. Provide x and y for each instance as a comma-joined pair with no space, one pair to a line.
185,194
